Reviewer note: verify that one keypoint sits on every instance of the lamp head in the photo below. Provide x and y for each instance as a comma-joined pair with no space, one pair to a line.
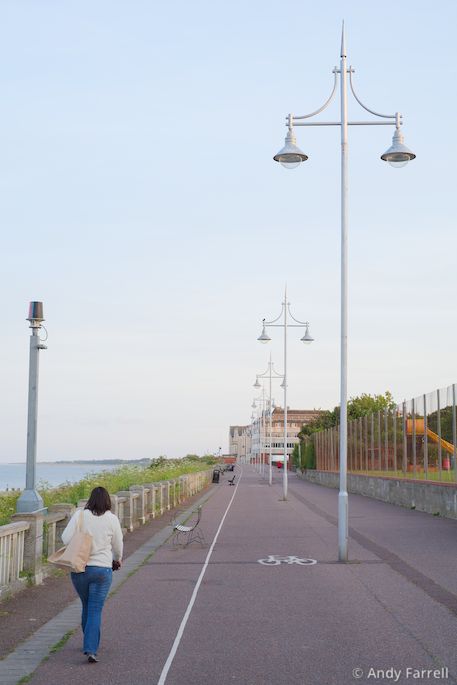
35,314
307,339
264,337
256,384
398,154
290,156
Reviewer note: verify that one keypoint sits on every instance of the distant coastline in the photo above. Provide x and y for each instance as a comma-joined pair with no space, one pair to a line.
56,473
65,462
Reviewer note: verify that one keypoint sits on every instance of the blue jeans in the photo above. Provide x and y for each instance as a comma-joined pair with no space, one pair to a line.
92,587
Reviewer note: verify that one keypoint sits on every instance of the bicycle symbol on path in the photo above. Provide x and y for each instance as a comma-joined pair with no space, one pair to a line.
275,560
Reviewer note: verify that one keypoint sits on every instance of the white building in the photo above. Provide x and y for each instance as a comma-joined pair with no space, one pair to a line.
240,442
260,432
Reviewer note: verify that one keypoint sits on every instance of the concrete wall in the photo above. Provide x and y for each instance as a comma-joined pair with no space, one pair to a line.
433,498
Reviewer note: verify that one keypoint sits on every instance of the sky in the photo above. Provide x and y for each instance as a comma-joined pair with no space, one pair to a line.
140,202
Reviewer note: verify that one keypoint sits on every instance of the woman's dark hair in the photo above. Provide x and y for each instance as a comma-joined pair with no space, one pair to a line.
99,501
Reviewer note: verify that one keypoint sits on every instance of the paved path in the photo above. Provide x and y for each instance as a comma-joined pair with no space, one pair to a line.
394,606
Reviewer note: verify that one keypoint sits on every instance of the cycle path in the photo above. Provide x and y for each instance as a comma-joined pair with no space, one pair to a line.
252,623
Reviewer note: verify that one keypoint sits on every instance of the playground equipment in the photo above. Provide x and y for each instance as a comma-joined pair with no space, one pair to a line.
420,430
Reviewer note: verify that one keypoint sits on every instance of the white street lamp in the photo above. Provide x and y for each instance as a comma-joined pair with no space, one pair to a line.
262,401
291,156
285,312
271,374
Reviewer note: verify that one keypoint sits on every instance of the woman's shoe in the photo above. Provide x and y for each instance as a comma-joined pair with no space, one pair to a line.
92,659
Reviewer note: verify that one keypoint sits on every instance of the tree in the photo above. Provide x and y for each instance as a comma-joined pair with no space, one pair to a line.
325,420
357,406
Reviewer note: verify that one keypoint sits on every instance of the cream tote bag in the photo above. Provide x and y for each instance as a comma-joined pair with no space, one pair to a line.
75,555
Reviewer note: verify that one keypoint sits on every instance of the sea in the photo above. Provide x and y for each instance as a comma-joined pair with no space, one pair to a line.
49,474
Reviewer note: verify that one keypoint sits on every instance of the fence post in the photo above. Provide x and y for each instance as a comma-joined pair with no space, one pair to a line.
425,438
356,444
438,415
372,440
68,510
454,432
149,499
114,505
154,499
413,403
394,437
162,505
379,441
140,503
332,453
128,509
386,437
405,440
359,442
33,544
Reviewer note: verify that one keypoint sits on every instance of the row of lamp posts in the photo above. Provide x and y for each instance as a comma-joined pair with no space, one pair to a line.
290,157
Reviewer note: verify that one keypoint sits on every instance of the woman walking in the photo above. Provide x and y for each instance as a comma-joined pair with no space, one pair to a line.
94,583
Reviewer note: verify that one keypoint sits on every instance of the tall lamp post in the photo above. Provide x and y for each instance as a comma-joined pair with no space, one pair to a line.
271,374
30,499
262,401
290,156
264,338
251,434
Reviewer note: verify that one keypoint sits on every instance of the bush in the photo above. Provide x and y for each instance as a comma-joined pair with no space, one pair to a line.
7,506
308,458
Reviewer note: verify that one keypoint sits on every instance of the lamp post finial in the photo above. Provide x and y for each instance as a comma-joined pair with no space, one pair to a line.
343,42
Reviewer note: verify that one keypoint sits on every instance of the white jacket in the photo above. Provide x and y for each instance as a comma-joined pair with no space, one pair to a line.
106,534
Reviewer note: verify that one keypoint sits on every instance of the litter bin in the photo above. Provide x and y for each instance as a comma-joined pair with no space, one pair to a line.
216,476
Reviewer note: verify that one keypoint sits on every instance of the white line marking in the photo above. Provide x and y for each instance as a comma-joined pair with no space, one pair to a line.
179,634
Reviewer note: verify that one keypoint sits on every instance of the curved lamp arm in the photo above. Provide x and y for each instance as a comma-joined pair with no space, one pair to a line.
321,109
267,375
377,114
302,323
269,323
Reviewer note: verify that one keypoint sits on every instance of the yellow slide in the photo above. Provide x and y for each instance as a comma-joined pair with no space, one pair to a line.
433,436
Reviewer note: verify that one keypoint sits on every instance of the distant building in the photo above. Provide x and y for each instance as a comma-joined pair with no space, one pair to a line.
260,432
240,442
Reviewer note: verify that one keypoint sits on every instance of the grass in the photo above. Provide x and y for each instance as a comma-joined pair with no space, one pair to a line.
58,645
431,476
7,506
25,679
114,480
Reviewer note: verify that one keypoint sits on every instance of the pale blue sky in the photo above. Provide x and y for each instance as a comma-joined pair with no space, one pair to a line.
140,202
